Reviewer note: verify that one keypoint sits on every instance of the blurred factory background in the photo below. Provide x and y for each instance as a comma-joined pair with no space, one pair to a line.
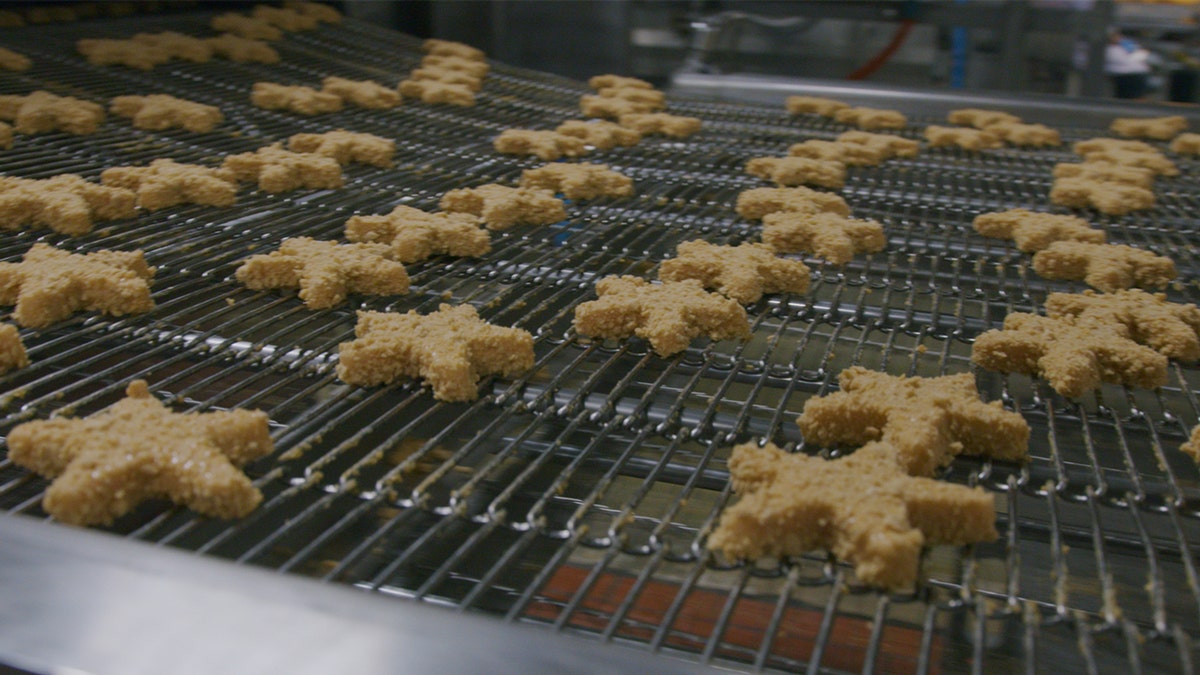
1045,46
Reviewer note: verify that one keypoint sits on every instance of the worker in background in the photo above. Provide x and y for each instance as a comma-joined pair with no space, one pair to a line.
1127,64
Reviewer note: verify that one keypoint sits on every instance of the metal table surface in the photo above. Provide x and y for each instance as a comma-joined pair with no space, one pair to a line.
577,497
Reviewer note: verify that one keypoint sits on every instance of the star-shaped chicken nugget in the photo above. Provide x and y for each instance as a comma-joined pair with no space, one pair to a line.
362,93
1074,358
829,235
167,183
106,464
850,154
325,271
742,272
279,170
758,202
66,203
1033,231
160,111
547,145
501,207
1109,197
451,349
792,171
41,112
1172,329
1106,172
600,134
1158,128
346,146
48,285
669,315
294,98
927,421
862,508
890,145
1108,267
415,235
578,181
968,139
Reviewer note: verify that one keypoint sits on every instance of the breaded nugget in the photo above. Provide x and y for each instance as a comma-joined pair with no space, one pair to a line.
451,48
758,202
669,314
1171,329
12,350
1192,447
436,91
611,108
6,135
167,183
1157,128
362,93
1154,161
66,203
177,45
470,66
415,235
926,421
600,134
451,349
828,235
284,19
107,52
105,464
664,124
303,100
325,271
242,50
793,171
861,508
41,112
850,154
49,284
1106,197
245,26
653,99
318,10
1106,173
1106,144
605,81
546,145
981,118
447,76
1073,358
826,107
500,207
279,170
871,118
967,139
889,144
578,181
160,111
1033,231
1026,135
10,60
743,273
346,146
1108,267
1186,144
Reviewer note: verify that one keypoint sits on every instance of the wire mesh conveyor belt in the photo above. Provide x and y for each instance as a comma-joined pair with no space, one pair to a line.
578,496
